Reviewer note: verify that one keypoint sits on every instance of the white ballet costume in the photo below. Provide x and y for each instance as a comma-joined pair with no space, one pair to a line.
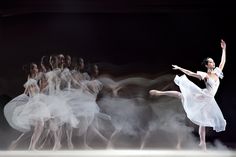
24,111
199,104
68,95
59,109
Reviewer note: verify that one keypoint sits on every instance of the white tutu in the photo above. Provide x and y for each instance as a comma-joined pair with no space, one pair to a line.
24,111
60,112
199,104
9,111
28,114
83,104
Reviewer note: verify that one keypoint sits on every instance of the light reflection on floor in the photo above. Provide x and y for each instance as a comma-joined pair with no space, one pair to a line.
120,153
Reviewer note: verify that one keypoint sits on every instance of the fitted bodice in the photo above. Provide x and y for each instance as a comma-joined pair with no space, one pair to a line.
32,87
66,78
53,80
211,84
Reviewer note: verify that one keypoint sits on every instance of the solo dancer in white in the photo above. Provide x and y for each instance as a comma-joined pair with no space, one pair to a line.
199,104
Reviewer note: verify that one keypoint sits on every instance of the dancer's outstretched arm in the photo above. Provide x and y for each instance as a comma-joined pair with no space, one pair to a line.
223,57
187,72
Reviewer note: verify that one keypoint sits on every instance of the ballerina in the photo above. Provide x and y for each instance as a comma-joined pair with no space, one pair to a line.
82,100
199,104
57,105
28,110
69,95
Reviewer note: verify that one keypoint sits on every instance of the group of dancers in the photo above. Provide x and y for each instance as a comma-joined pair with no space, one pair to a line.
62,97
58,97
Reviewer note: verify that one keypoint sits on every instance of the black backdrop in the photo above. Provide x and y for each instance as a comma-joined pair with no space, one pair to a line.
144,36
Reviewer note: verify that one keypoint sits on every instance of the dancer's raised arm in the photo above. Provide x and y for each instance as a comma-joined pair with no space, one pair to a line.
223,57
187,72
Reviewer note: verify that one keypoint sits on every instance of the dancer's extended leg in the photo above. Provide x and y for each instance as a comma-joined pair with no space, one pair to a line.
175,94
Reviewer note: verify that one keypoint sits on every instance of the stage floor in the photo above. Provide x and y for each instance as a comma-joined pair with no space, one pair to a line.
120,153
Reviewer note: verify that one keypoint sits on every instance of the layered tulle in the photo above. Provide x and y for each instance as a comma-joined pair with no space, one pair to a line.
200,105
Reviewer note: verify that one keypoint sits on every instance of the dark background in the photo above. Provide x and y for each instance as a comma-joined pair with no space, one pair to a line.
131,36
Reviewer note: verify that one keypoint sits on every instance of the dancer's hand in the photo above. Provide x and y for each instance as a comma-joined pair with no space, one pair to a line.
176,67
223,44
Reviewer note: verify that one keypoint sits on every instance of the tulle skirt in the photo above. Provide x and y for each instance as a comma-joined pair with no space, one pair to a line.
83,106
199,105
61,112
23,112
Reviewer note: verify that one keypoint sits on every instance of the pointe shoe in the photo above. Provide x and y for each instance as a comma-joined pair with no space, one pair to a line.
13,145
57,146
70,146
42,146
178,146
110,145
142,146
32,148
202,146
86,147
155,92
